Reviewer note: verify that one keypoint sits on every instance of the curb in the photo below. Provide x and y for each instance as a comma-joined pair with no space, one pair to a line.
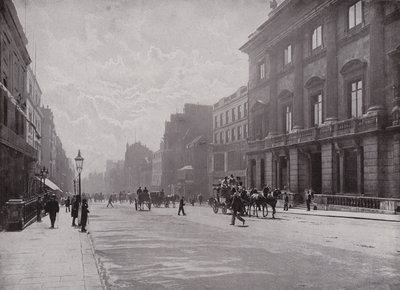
346,217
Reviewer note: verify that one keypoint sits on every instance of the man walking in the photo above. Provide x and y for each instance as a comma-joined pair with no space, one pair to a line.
84,215
52,208
286,200
110,201
308,200
236,208
75,209
181,205
67,205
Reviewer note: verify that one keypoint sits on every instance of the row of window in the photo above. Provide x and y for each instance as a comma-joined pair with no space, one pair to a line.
230,115
231,135
355,18
355,103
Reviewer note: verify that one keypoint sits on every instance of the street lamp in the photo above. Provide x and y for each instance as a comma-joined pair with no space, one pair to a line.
43,175
79,165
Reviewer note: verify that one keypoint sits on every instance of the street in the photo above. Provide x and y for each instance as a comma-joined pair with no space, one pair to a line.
160,250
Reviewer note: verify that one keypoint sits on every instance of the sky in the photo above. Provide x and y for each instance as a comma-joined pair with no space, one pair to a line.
108,68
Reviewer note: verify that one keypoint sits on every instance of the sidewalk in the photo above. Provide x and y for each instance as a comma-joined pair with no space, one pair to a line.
343,214
43,258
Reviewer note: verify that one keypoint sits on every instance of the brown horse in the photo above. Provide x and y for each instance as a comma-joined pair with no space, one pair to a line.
259,201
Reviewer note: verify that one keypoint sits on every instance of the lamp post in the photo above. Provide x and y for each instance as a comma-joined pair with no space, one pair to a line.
43,175
79,166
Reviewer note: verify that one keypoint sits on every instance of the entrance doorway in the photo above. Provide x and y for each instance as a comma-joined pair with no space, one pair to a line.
252,173
262,173
350,171
316,172
283,178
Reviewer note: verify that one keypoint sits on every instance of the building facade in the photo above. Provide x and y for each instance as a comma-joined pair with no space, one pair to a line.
324,98
230,132
17,157
34,114
185,143
49,142
137,166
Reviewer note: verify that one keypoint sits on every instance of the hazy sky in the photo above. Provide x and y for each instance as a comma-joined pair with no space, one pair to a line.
108,67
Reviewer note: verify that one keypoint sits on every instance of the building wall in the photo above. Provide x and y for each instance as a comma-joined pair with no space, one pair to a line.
369,52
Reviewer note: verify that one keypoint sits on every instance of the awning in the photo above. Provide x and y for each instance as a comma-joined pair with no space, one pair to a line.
50,184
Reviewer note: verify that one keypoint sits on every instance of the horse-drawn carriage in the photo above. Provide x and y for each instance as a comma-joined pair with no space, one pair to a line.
144,200
157,198
252,201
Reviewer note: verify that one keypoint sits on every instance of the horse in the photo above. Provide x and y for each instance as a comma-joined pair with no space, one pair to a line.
142,198
262,202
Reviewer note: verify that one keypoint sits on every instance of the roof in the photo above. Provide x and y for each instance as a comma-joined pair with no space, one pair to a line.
196,141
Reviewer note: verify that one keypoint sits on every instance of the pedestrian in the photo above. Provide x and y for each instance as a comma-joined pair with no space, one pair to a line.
181,205
52,208
84,214
286,201
67,205
110,201
75,209
237,207
308,200
39,208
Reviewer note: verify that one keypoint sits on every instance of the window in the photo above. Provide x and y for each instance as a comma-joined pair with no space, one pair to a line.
239,109
233,134
287,55
356,98
219,162
317,110
287,110
245,110
233,115
261,70
221,120
221,137
245,131
355,14
215,122
316,39
215,138
227,136
239,132
5,107
226,117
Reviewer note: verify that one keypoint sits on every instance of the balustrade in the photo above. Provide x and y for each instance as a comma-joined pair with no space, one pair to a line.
364,202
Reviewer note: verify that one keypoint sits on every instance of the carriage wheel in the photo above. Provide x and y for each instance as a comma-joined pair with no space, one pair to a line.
224,209
215,207
265,210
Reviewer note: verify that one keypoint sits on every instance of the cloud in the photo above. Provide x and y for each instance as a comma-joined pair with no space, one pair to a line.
108,68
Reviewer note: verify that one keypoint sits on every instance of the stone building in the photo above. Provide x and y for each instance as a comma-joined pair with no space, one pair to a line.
185,143
324,98
228,151
34,114
17,157
49,142
137,166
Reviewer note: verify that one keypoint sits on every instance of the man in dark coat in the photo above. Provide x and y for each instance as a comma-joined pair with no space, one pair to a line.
308,200
67,205
181,205
39,208
84,214
286,200
75,209
52,208
236,207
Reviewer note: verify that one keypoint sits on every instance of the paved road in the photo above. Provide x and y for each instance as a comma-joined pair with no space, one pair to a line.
160,250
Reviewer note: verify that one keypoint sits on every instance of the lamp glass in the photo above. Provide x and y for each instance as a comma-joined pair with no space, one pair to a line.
79,162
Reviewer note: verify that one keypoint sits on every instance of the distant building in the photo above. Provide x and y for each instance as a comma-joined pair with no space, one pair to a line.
17,157
137,166
156,173
49,142
185,135
324,98
229,147
114,179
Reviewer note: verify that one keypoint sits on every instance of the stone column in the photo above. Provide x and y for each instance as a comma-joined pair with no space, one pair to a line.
273,93
331,84
328,162
298,112
293,170
360,170
341,170
376,97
